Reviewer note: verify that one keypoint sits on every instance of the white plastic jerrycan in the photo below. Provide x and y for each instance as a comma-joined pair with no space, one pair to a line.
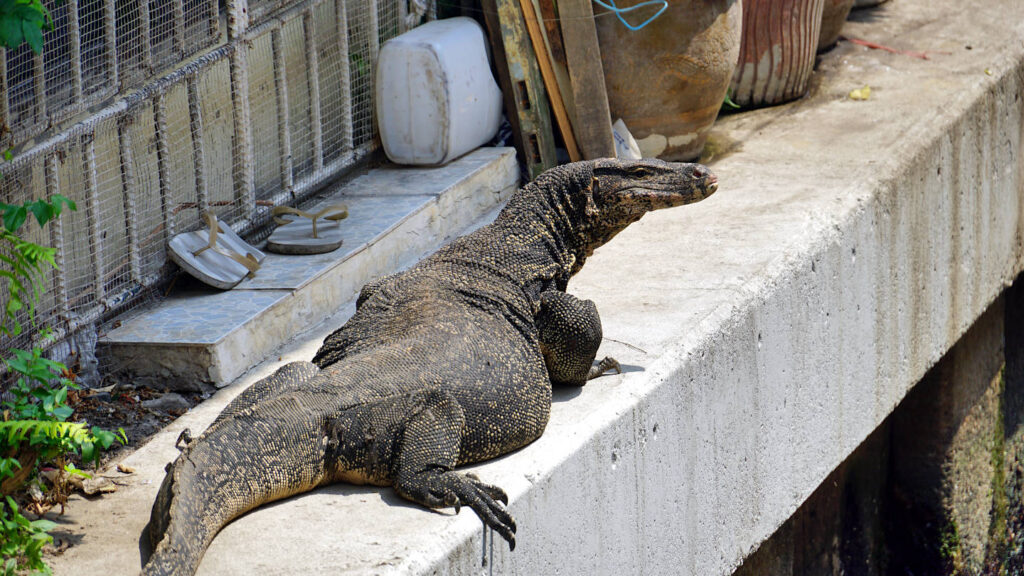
436,98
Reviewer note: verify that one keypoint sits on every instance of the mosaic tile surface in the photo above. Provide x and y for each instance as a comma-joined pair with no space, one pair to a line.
368,219
393,180
378,203
197,317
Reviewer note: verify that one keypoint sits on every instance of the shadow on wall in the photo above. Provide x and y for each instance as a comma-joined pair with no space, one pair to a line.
938,488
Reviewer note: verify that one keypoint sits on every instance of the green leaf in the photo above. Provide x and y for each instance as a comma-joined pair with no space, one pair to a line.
103,437
42,210
14,217
59,199
43,525
70,469
88,452
48,22
10,32
63,412
33,35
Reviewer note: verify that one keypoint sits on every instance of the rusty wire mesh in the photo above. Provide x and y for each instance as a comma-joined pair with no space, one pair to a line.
148,113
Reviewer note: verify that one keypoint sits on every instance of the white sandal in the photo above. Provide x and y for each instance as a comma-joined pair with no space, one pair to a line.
214,255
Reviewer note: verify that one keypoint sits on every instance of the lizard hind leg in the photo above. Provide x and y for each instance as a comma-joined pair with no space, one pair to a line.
424,467
287,377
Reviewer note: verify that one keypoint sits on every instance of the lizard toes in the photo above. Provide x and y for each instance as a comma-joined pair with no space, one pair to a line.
473,494
491,490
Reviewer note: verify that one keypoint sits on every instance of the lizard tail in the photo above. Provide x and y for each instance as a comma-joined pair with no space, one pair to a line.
223,474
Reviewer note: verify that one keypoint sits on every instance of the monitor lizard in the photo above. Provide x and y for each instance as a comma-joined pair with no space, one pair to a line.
448,363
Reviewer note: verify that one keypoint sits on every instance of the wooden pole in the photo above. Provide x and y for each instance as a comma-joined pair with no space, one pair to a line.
550,82
593,121
521,85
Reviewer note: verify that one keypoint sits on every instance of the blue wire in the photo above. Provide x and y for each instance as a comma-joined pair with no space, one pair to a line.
620,11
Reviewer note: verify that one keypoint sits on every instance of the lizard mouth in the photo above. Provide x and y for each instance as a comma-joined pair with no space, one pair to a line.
712,183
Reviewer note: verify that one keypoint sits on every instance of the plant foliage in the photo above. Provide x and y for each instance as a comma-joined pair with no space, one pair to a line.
22,540
34,427
35,421
23,21
25,263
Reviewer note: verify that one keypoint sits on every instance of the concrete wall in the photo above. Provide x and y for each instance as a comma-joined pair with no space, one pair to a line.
936,489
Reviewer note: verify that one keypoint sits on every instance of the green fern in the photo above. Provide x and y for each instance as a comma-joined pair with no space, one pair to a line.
23,265
58,437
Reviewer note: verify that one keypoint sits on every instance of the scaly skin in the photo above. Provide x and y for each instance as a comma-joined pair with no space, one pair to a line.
448,363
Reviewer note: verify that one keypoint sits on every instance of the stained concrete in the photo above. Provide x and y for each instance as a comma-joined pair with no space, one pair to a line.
933,490
766,333
943,439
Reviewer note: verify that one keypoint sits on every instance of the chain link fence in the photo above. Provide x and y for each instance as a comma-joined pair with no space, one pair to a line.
149,113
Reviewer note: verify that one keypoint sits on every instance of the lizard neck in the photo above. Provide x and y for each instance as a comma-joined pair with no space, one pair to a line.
550,213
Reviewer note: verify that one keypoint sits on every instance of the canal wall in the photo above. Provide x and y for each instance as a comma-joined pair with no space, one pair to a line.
768,335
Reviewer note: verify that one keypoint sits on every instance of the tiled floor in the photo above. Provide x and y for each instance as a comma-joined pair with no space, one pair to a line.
368,219
379,202
196,317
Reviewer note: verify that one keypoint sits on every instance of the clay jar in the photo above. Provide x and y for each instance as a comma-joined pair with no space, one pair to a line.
832,19
780,38
668,79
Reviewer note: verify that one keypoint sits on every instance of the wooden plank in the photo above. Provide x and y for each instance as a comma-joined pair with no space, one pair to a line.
550,82
554,34
525,97
547,10
593,122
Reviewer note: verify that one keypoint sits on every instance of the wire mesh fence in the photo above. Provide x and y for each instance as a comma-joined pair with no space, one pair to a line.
234,110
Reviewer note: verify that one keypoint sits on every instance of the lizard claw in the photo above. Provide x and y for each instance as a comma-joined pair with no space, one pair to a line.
483,498
184,438
607,363
450,489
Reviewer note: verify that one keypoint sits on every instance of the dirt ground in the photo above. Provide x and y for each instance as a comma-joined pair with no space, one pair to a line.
141,412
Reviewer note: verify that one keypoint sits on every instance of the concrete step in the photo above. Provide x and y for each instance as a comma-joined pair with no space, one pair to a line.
396,214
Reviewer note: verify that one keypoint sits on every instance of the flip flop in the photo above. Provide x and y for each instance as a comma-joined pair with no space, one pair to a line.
214,255
300,233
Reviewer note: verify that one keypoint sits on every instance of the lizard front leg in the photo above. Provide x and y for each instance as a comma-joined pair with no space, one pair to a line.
570,334
425,461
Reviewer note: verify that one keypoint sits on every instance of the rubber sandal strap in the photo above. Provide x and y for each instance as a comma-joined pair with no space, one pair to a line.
334,212
211,223
249,261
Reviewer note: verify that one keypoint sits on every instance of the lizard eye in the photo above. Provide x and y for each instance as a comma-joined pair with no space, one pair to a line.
641,172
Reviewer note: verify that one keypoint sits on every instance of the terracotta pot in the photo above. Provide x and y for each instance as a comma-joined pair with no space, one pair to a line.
668,79
780,38
27,458
832,19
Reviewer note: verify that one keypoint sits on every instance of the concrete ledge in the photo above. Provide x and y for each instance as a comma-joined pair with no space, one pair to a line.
396,215
767,332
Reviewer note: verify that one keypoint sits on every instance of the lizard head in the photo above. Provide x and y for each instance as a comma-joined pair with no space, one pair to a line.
623,191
